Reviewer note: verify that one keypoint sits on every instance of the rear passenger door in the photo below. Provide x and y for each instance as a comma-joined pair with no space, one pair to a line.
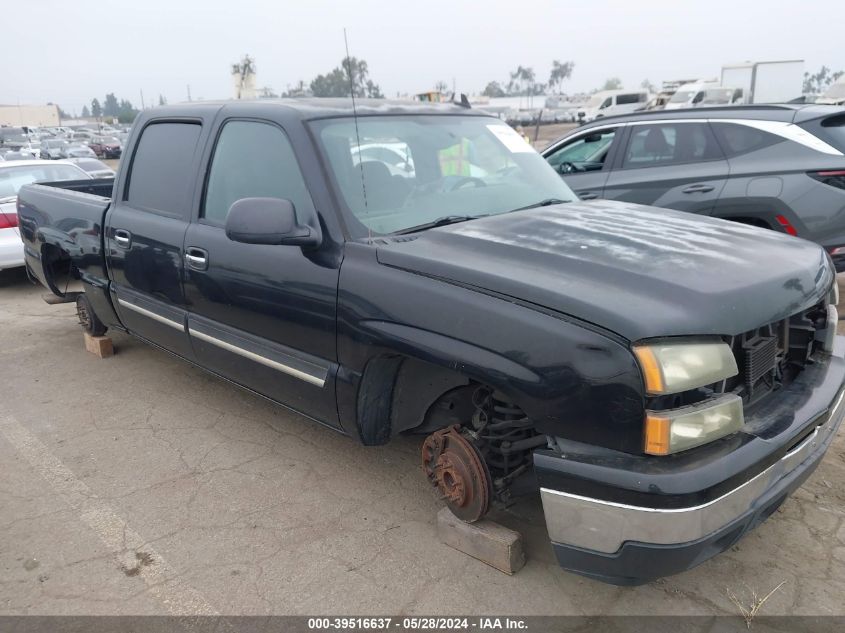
677,165
584,160
261,315
145,231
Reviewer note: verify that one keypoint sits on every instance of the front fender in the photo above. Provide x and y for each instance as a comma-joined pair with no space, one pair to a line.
572,380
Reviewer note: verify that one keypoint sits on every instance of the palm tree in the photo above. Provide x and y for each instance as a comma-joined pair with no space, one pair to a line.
561,71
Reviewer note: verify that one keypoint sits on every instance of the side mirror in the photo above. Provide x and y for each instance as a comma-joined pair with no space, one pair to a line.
271,221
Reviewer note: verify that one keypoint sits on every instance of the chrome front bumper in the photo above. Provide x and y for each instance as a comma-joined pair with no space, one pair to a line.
603,526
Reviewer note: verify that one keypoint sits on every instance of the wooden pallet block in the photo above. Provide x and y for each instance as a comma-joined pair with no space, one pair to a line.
489,542
100,346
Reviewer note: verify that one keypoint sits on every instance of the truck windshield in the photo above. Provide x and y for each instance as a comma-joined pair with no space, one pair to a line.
400,172
13,178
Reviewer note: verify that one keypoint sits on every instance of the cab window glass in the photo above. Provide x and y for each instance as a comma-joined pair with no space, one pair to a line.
162,168
738,139
587,153
627,99
252,160
666,144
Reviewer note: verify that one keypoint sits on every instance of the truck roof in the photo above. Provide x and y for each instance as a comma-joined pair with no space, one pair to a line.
318,108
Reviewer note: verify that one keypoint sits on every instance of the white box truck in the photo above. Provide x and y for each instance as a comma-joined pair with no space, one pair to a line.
766,82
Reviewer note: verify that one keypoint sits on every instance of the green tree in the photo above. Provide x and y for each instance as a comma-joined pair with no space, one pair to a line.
110,105
161,100
352,73
494,89
561,71
521,81
85,112
299,90
647,85
816,83
126,113
96,110
613,83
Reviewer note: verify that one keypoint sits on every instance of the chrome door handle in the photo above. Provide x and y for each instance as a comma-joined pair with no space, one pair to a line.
196,258
588,195
122,238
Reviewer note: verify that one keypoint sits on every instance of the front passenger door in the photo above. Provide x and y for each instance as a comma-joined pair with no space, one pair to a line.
261,315
584,161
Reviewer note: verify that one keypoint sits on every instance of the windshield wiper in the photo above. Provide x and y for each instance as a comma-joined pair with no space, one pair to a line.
445,220
543,203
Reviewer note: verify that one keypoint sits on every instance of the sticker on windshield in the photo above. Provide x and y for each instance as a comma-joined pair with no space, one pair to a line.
510,138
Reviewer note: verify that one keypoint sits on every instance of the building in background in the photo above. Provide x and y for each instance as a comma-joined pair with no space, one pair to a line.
29,115
243,78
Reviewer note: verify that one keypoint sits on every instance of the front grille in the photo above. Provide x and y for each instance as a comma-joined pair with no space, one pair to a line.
768,358
772,355
760,359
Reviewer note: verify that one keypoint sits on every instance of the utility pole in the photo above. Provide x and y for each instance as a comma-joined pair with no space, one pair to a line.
143,107
189,93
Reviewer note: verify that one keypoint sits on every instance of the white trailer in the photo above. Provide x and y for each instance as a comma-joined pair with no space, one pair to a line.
766,82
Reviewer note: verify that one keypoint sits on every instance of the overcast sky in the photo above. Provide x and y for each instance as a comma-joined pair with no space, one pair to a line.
68,51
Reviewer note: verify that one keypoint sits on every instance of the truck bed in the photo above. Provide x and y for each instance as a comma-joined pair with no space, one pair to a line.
61,224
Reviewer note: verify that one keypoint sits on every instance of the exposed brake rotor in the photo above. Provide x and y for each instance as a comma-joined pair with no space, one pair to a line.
455,467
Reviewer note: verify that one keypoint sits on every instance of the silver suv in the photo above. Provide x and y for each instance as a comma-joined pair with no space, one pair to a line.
781,167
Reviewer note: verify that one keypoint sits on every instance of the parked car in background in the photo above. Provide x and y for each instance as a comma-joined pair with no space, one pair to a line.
689,95
94,167
80,136
720,96
613,102
33,148
657,102
12,136
105,146
79,151
18,155
781,167
54,149
13,175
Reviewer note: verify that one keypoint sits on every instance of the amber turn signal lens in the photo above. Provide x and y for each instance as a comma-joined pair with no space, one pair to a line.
657,435
651,369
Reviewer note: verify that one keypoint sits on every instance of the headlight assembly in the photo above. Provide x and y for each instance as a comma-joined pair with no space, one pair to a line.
678,429
673,367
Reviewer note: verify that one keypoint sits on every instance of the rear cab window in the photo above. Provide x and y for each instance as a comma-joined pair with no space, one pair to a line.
161,176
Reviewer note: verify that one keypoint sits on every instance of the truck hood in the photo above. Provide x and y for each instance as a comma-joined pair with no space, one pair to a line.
638,271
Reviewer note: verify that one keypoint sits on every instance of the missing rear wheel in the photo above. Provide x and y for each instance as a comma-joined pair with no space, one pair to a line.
88,319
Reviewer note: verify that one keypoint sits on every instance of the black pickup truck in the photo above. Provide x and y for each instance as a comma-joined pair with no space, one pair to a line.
664,380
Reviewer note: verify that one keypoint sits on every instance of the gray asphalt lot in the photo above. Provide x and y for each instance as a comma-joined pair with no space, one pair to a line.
139,484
